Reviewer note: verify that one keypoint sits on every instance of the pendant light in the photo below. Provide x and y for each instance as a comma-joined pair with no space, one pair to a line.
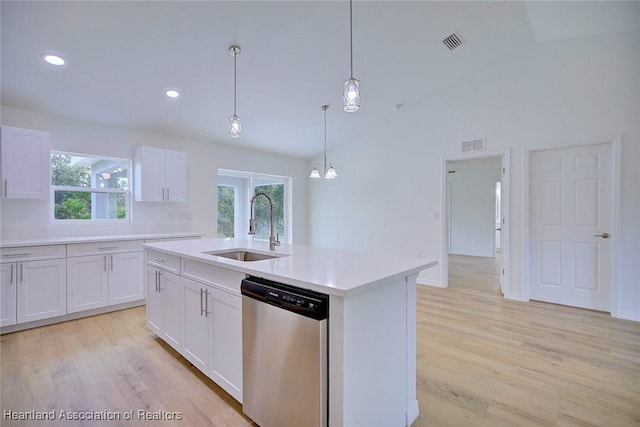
235,130
329,173
351,93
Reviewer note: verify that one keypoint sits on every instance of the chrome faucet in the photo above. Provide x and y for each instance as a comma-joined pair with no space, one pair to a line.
273,239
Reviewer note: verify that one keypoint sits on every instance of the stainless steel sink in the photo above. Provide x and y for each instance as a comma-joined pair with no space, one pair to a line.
245,255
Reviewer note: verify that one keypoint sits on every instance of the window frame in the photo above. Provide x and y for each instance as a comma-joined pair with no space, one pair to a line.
245,183
93,190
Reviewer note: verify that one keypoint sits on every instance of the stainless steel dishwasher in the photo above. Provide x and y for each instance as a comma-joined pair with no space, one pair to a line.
284,352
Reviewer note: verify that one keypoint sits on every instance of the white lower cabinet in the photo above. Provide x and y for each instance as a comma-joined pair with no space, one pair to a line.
101,280
8,294
210,316
41,289
126,281
195,323
88,283
212,334
225,358
34,283
164,305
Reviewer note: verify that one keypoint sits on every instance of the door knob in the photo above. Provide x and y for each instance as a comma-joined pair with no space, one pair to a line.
603,235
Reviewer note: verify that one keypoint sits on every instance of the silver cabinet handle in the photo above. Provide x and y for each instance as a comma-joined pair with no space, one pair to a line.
111,262
6,192
206,303
157,280
105,262
163,194
11,280
157,260
21,276
15,255
201,304
108,248
168,198
603,235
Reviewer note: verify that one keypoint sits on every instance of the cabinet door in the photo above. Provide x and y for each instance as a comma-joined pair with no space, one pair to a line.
88,282
171,290
149,175
42,289
195,336
25,164
226,342
175,176
7,294
125,277
154,300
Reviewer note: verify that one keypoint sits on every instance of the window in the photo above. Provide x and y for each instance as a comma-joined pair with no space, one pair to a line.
235,190
89,187
226,213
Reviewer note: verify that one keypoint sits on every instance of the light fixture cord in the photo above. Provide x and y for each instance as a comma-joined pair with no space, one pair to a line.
351,35
235,56
325,139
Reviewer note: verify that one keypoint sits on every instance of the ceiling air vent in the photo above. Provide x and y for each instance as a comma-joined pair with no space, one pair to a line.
474,145
453,41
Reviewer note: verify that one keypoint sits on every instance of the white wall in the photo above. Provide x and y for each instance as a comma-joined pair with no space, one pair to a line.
558,93
472,213
30,218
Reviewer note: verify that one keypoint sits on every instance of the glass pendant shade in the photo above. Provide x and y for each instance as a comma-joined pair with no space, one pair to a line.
315,173
235,130
331,172
351,95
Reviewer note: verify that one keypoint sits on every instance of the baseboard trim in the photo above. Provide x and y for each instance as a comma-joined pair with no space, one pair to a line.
628,315
431,283
70,316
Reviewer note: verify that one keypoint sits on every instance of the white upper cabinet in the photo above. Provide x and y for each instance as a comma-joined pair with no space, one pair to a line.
160,175
25,164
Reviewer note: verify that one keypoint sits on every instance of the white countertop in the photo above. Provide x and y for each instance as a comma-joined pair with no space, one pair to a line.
87,239
333,272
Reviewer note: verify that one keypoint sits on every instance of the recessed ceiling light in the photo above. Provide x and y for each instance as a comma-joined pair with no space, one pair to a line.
53,59
171,93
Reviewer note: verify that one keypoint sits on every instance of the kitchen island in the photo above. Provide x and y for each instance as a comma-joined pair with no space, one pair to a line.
372,318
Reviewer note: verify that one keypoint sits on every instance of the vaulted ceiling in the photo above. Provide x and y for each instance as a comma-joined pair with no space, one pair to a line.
121,57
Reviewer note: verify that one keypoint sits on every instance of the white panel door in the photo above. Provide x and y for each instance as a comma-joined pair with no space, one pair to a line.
149,174
571,217
175,176
154,300
42,289
87,282
8,294
195,321
226,339
171,290
125,277
25,163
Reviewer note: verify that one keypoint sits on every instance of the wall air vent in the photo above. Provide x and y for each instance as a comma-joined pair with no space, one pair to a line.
473,145
453,41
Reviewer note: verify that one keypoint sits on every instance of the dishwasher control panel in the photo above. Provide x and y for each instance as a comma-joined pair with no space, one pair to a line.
302,301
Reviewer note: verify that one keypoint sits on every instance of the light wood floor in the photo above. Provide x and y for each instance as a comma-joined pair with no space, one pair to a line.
482,361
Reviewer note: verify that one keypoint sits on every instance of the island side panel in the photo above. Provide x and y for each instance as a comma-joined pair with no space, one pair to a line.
336,359
374,358
412,400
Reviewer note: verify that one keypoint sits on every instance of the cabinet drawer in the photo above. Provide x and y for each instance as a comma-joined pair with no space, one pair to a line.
99,248
32,253
164,261
212,275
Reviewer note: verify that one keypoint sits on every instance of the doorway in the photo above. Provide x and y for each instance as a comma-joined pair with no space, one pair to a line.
475,232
